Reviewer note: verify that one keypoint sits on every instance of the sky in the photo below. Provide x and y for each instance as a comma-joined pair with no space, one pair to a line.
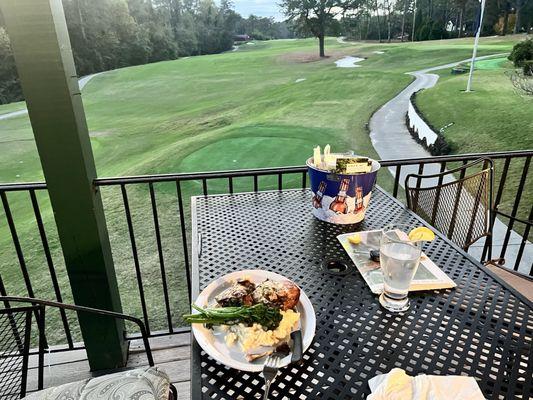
262,8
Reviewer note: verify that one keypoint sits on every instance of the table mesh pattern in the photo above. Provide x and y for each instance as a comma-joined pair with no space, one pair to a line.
479,329
12,349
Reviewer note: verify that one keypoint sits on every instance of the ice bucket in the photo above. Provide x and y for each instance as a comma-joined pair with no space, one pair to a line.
341,198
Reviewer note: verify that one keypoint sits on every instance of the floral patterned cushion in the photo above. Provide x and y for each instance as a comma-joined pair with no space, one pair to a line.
139,384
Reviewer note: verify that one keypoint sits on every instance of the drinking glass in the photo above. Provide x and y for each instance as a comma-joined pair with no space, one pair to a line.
399,258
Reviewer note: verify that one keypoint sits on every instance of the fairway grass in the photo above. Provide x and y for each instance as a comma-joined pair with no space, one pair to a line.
241,109
494,117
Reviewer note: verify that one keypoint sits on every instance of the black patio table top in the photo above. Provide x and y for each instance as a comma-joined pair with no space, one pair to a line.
482,328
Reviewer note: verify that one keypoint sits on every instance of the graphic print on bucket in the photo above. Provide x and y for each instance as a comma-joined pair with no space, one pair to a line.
340,205
341,198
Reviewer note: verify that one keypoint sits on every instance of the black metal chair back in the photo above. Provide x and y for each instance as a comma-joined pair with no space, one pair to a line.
457,202
15,342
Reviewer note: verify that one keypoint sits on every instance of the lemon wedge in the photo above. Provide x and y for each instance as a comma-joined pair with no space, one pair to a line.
355,238
421,234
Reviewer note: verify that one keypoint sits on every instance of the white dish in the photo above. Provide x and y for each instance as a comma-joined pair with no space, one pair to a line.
232,356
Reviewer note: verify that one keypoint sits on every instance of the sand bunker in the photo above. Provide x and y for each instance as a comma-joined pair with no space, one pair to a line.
299,80
378,52
349,62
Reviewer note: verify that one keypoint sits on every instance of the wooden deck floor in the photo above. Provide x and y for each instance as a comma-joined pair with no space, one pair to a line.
171,354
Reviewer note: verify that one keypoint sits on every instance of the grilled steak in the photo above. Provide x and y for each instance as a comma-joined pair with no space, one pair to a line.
282,295
239,294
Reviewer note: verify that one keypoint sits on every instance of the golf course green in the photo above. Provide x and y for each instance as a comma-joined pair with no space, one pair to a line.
265,105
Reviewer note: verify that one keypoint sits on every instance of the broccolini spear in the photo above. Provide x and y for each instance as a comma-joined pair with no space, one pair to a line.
268,317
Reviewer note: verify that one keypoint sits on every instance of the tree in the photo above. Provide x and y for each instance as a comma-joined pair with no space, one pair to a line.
405,8
436,19
388,6
518,7
376,5
315,16
461,5
155,24
10,89
505,16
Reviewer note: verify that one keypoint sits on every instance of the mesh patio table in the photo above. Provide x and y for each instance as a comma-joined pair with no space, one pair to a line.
482,328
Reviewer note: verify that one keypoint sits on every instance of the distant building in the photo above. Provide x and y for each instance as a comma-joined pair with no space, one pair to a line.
241,38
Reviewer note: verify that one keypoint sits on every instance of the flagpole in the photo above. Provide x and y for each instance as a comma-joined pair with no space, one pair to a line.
476,41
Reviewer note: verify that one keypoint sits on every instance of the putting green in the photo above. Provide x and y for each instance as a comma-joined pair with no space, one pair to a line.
275,145
491,64
243,153
242,147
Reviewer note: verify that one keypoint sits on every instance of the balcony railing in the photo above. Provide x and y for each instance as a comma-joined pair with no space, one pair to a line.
148,220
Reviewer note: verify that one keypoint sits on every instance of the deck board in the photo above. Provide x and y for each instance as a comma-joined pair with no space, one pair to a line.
171,353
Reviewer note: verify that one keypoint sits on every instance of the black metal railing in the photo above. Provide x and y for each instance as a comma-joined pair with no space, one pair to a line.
162,225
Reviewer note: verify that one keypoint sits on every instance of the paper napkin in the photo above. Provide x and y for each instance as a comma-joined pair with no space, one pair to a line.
397,385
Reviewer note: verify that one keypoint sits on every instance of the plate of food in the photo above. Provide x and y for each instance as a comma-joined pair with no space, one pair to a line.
244,316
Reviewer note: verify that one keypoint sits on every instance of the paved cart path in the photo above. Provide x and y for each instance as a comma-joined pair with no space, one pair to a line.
82,82
388,131
392,140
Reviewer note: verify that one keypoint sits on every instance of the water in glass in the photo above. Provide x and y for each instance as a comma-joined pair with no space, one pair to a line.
399,258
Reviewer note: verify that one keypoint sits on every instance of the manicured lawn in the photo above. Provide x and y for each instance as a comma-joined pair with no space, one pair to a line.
235,110
492,118
492,63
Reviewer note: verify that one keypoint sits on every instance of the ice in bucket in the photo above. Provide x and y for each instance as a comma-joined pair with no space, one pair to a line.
341,184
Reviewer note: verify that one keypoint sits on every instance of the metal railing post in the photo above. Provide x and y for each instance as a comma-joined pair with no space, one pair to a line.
240,180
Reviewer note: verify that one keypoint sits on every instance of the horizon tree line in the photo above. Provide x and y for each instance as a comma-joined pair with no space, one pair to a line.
110,34
388,20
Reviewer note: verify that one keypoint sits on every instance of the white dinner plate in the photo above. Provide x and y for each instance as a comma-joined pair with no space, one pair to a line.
232,356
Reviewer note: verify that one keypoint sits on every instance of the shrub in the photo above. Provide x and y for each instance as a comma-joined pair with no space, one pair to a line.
523,83
527,68
521,53
257,35
440,147
460,69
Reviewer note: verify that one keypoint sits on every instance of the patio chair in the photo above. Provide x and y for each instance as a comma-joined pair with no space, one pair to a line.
458,203
15,347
